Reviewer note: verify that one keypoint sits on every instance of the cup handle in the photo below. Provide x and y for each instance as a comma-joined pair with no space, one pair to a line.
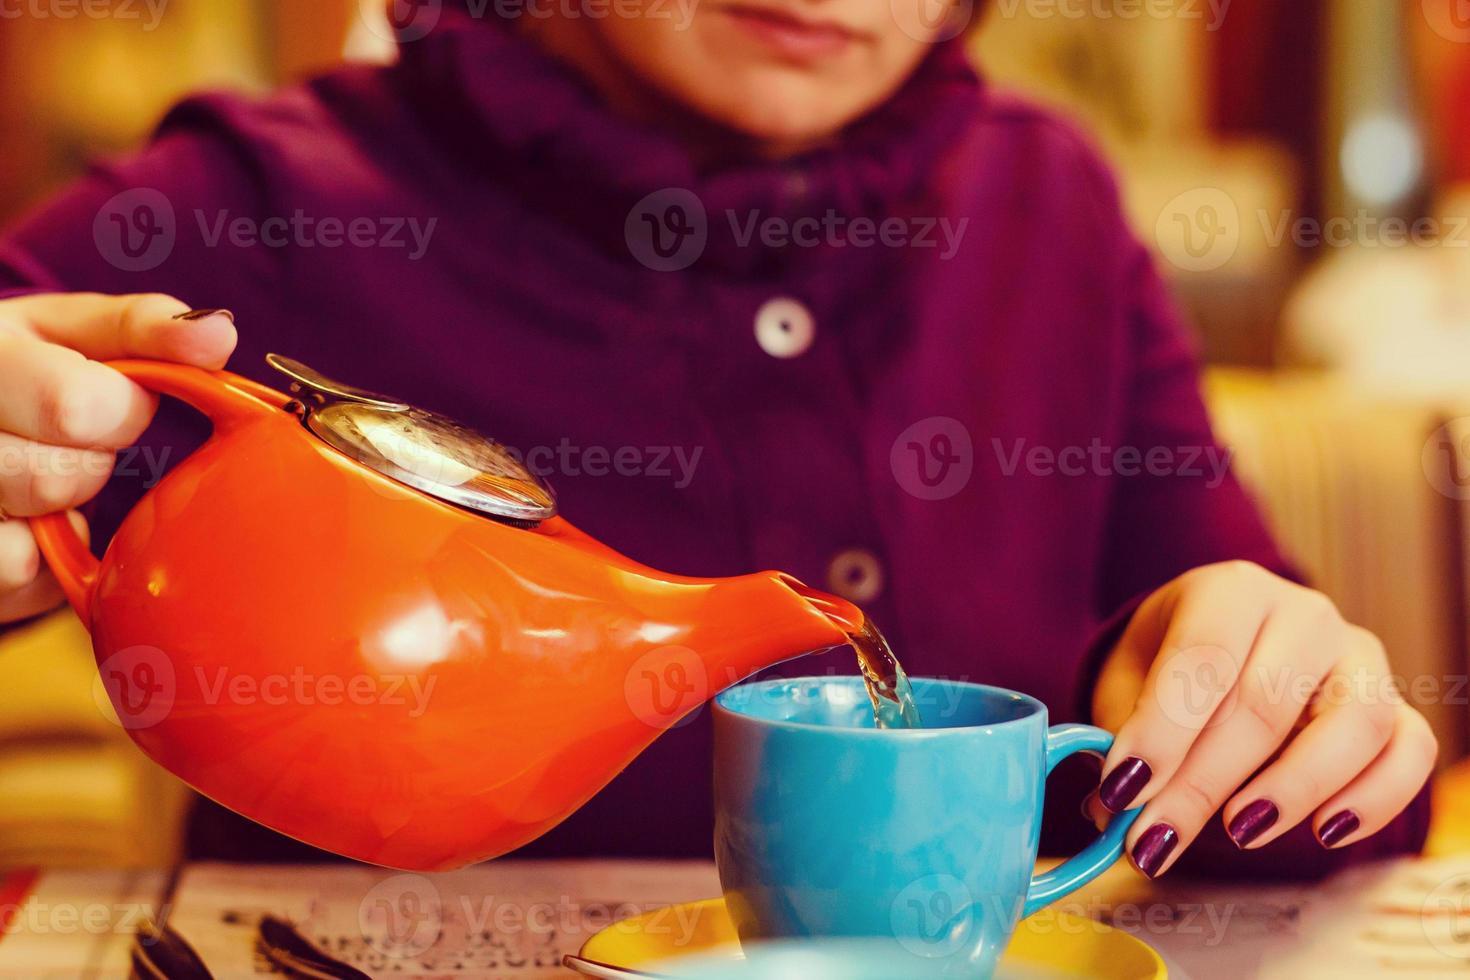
227,399
1063,741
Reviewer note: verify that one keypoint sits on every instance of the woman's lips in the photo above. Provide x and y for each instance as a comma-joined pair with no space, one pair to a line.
789,36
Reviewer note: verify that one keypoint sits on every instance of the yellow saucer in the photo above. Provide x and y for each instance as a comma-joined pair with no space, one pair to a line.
1051,944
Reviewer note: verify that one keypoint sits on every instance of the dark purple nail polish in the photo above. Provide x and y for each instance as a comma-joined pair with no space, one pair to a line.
1338,827
201,314
1253,821
1154,848
1124,784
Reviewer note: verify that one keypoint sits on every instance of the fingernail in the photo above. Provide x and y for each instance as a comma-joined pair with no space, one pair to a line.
201,314
1253,821
1338,827
1124,784
1154,848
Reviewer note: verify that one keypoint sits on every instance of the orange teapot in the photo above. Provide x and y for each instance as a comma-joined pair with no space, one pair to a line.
365,626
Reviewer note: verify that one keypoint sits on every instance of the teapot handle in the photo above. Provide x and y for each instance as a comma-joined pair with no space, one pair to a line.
226,399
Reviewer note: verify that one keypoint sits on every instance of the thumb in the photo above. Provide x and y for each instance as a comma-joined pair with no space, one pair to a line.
102,327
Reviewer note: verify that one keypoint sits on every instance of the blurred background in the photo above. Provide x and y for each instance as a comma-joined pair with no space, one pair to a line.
1300,167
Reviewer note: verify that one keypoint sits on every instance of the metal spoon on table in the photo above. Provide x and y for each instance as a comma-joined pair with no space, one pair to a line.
160,953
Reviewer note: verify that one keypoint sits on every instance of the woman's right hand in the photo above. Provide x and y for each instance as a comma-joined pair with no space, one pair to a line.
63,415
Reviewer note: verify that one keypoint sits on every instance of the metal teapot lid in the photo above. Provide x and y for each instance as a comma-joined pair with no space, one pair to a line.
428,452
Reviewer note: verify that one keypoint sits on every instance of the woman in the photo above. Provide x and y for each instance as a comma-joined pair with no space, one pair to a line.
893,324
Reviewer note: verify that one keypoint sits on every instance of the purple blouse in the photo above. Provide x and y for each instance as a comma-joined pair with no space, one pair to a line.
928,366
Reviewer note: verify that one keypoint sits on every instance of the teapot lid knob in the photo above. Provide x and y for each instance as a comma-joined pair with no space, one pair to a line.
427,451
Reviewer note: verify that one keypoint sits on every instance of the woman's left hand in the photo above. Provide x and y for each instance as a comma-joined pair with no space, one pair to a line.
1219,670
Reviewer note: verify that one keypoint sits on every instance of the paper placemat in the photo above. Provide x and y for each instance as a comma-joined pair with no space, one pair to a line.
510,920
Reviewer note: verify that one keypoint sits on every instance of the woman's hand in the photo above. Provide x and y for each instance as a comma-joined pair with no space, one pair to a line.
62,414
1216,672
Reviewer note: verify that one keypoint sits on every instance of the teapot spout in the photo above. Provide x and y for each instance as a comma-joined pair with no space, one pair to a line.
757,621
838,612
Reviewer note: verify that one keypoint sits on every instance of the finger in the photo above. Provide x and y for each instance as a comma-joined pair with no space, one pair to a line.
1094,811
56,396
1199,657
1284,669
1354,716
41,593
39,479
1385,788
141,325
20,559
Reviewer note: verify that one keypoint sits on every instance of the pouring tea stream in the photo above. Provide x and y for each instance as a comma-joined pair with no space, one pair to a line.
347,535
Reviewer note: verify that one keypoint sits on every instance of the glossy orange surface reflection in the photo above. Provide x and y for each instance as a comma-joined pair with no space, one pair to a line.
375,672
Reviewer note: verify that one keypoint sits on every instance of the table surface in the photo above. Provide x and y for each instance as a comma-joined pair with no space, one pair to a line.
1449,831
514,919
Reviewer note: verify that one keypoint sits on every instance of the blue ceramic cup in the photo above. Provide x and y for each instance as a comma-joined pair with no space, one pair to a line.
926,839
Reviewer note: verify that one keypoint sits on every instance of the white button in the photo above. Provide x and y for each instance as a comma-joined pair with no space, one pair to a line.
784,328
796,185
856,575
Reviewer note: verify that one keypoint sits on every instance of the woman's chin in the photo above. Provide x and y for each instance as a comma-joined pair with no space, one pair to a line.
785,121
